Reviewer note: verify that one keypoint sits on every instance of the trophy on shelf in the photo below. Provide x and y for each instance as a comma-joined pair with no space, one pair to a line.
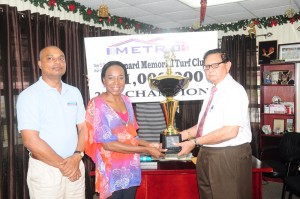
169,85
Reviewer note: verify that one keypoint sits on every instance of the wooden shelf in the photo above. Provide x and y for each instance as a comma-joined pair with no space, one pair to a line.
278,114
286,92
277,85
272,135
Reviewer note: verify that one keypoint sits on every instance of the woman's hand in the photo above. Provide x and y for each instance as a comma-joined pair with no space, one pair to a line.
155,145
156,152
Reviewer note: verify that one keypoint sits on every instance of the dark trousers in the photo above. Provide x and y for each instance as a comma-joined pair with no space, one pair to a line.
225,172
124,193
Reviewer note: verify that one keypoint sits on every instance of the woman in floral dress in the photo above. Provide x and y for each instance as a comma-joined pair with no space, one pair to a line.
112,141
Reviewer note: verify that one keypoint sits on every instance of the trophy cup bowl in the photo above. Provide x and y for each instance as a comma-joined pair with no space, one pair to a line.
169,85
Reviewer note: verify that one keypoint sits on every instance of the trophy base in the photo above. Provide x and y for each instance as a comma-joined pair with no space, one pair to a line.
167,143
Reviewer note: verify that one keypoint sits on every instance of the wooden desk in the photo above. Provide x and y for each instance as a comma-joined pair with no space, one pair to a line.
257,169
172,179
177,179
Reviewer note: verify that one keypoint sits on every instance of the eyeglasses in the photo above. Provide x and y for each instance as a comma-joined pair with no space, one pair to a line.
53,59
214,65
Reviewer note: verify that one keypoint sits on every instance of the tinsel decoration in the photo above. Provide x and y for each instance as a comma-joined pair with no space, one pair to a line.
92,15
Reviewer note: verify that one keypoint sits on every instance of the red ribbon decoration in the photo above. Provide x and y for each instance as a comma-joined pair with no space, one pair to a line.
202,10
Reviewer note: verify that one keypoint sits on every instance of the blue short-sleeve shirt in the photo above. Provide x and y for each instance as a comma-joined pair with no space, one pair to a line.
54,115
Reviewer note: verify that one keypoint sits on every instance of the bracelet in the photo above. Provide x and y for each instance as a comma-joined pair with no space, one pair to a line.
189,136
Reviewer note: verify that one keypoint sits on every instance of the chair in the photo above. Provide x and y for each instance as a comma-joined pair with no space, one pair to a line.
289,158
293,185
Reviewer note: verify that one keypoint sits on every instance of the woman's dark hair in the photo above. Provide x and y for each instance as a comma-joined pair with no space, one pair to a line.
113,63
224,56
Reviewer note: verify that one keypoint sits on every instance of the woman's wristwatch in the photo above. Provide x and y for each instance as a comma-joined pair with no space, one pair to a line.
80,153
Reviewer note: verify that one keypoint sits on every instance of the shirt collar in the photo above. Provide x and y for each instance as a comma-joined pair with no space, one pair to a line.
46,86
223,83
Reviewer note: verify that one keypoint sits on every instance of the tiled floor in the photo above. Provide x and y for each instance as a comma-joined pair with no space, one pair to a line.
273,190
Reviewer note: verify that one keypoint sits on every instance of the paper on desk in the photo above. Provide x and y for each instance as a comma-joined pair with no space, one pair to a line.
194,160
169,157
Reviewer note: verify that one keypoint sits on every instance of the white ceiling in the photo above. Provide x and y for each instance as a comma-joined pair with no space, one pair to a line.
174,14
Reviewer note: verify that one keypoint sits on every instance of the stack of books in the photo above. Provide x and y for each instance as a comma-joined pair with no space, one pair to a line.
147,162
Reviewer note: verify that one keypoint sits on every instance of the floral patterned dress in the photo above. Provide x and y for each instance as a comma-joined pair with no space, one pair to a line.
114,171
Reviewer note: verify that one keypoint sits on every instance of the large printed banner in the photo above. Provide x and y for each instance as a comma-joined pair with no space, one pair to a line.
143,55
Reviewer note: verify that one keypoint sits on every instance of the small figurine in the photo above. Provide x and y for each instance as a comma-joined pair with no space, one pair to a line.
252,30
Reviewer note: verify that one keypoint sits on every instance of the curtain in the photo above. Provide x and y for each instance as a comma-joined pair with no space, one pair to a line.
188,114
12,153
22,36
242,50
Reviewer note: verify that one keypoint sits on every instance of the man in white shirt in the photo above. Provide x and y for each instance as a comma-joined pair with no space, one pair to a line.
224,161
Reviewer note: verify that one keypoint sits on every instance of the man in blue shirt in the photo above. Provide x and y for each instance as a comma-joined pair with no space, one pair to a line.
51,119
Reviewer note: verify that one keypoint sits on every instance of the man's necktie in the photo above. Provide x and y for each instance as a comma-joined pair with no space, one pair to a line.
200,128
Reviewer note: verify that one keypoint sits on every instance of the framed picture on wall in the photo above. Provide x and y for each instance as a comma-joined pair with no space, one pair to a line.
275,77
267,51
278,126
285,77
267,77
289,52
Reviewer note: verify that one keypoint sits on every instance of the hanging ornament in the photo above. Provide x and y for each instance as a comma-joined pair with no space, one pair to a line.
103,11
52,3
273,22
72,7
252,30
292,20
202,10
137,26
120,20
196,26
290,12
89,11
